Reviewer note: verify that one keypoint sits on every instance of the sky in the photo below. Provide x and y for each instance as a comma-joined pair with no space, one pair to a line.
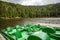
33,2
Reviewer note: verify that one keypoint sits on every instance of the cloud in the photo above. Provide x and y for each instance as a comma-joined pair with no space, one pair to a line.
34,2
4,0
39,2
12,1
28,2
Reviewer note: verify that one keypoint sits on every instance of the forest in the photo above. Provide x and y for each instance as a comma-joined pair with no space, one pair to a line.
12,10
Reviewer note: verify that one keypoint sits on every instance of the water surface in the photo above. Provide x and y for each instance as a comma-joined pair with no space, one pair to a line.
4,23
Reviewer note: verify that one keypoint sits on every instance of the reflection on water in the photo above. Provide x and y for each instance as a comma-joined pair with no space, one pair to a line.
4,23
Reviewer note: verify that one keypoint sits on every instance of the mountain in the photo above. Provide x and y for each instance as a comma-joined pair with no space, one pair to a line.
16,10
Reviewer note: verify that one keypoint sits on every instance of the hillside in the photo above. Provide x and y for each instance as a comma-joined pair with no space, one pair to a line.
12,10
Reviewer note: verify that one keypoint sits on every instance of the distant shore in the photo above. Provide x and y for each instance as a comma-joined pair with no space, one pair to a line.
21,17
10,17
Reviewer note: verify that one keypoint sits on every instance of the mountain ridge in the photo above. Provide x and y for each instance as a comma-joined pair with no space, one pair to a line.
15,10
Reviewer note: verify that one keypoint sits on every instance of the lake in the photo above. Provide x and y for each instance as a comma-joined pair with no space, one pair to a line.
4,23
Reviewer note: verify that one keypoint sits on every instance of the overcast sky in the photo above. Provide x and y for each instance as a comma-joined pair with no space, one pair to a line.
33,2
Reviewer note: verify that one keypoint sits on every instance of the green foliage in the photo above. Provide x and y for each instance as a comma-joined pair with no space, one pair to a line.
15,10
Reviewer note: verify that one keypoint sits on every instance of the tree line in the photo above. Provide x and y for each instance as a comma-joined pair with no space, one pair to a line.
17,10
